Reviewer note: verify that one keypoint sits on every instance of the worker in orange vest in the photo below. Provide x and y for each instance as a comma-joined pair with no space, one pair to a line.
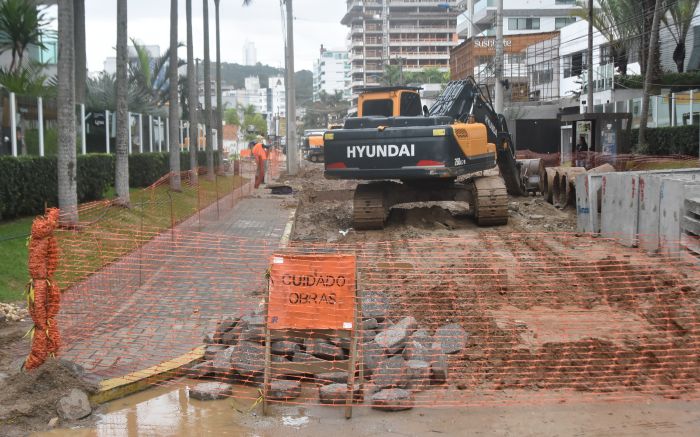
260,155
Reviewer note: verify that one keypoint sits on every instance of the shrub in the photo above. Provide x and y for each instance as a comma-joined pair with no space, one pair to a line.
679,140
29,183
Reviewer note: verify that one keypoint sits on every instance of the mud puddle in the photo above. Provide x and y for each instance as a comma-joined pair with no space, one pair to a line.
168,411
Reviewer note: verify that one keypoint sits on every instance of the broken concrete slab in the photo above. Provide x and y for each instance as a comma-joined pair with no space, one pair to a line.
226,324
393,339
393,399
373,354
370,324
323,349
284,390
332,378
336,394
201,370
452,338
303,357
211,391
284,348
252,328
212,349
415,350
418,374
391,372
248,359
222,361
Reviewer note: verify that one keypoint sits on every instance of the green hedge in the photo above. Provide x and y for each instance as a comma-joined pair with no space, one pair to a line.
680,140
28,183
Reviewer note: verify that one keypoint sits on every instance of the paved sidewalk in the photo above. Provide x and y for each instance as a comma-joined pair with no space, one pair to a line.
156,304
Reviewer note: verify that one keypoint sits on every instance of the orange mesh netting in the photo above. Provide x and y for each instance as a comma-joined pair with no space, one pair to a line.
44,295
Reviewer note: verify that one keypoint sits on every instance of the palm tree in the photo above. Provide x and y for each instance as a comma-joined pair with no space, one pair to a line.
680,15
207,92
174,107
612,19
121,179
21,25
80,55
192,99
67,177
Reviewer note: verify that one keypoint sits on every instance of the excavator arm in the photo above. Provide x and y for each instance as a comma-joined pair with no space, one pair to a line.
463,100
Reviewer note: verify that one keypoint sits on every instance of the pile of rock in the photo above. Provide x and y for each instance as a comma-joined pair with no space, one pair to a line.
399,358
12,313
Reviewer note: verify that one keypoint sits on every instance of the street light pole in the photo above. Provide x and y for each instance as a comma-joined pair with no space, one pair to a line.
499,58
292,153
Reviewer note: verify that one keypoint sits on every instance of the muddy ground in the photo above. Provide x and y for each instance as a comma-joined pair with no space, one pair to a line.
325,214
28,399
546,308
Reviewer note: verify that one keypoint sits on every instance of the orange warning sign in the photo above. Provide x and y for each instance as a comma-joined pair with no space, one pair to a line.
312,292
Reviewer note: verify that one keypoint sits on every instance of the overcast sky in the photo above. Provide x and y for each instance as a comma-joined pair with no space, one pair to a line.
317,22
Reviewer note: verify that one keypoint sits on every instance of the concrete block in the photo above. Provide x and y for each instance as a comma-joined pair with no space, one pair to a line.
672,211
650,206
619,209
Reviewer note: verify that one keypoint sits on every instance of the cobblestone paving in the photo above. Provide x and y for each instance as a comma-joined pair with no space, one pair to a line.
157,303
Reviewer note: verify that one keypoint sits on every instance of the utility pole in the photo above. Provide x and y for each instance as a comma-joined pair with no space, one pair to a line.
589,103
499,57
292,152
654,41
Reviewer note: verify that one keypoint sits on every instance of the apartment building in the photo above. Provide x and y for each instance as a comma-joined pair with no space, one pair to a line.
413,34
519,16
332,73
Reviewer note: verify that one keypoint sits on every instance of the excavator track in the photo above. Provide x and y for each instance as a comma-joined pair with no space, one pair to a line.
490,201
369,207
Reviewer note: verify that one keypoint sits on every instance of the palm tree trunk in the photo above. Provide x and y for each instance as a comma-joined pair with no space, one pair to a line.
121,179
67,165
207,92
174,108
219,98
192,98
80,56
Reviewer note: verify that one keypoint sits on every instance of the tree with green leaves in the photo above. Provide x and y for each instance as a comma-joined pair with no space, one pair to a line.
330,108
613,19
22,24
678,20
254,123
231,117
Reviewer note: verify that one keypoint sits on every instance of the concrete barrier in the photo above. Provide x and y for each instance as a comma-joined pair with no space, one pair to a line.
650,188
672,211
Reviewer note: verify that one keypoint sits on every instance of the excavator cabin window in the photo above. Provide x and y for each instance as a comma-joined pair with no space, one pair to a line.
381,107
411,105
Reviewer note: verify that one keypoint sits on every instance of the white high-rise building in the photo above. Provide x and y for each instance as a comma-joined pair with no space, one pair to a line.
250,53
412,34
332,73
519,16
278,98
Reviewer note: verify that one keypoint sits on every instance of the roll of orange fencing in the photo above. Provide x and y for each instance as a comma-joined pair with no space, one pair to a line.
312,292
567,191
246,153
43,295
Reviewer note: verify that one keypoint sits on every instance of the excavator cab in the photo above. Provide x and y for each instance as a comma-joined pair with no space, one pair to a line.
390,101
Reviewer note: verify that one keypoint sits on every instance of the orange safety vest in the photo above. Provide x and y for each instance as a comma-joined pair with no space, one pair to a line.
259,151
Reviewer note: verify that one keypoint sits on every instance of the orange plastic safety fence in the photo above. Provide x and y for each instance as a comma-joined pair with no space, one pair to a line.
44,295
483,319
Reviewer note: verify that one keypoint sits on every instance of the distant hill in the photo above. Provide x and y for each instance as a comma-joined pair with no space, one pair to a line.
235,74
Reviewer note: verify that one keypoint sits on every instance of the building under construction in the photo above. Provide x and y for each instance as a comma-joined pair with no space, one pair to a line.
412,34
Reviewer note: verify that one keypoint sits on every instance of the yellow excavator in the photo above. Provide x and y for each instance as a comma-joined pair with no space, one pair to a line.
414,154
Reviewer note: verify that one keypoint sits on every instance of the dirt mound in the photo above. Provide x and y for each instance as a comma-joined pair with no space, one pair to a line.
28,399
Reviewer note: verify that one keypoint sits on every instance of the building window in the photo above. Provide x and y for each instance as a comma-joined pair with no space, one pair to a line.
560,22
523,24
564,2
606,56
574,64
